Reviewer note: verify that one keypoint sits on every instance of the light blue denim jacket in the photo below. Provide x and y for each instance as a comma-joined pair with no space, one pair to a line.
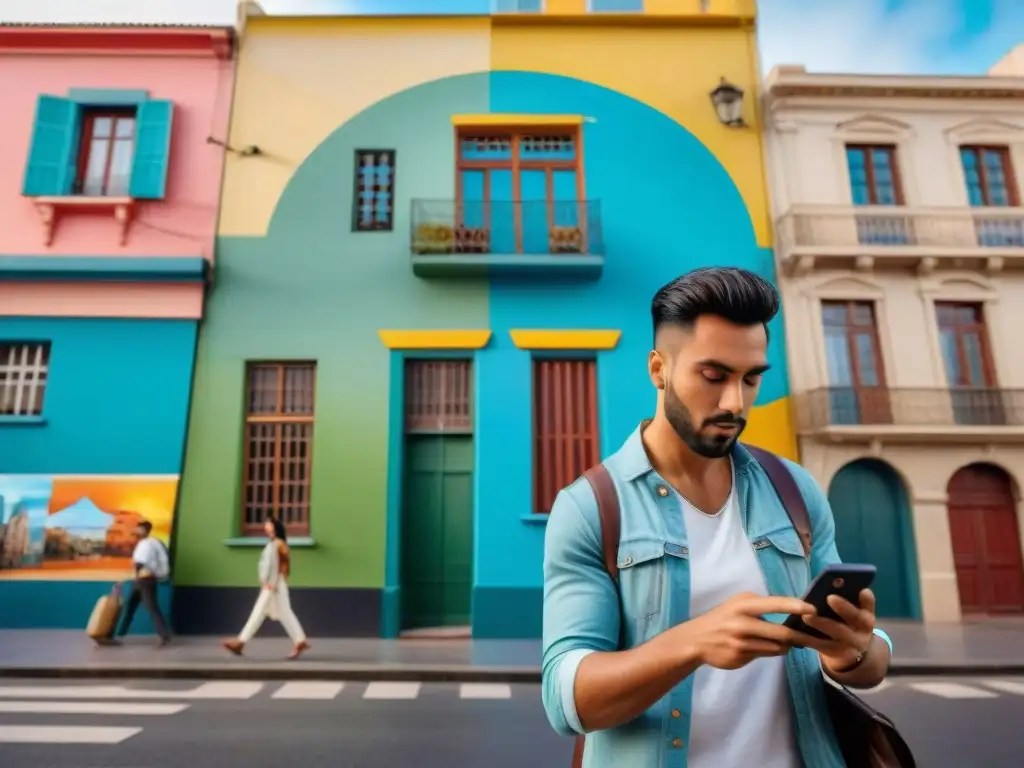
583,613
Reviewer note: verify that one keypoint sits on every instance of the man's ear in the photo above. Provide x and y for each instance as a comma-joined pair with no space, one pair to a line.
657,369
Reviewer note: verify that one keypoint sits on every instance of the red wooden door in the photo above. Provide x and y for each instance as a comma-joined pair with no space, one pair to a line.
986,541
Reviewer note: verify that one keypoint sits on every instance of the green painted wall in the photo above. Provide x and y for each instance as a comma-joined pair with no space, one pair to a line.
313,289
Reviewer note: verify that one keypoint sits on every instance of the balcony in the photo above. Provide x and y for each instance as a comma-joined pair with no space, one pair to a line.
869,414
532,238
884,237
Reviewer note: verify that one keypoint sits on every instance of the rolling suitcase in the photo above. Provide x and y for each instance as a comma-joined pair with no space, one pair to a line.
104,616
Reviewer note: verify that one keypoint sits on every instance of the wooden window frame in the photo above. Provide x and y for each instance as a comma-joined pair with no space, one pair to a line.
514,164
26,368
89,118
980,326
1012,190
550,462
453,416
869,168
873,401
280,419
376,226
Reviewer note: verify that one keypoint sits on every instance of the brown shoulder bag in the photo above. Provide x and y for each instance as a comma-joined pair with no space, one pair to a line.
867,738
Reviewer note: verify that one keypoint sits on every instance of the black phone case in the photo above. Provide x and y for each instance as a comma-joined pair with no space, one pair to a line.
846,584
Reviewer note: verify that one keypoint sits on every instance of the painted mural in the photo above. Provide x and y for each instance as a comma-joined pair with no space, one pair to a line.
66,527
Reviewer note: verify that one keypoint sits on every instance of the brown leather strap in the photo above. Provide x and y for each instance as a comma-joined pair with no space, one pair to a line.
788,491
610,514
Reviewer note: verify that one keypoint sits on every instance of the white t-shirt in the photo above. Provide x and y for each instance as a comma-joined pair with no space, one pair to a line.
739,717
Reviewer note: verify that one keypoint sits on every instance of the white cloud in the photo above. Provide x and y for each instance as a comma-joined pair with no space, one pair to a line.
859,36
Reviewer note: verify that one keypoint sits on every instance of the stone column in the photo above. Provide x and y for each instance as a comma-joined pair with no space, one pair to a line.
940,597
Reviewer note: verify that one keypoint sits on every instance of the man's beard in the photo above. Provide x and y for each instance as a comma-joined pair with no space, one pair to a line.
710,446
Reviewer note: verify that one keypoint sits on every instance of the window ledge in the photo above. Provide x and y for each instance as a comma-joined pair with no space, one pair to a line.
296,542
534,518
51,208
22,421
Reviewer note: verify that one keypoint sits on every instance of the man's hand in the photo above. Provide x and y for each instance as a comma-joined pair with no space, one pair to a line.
734,634
145,573
848,641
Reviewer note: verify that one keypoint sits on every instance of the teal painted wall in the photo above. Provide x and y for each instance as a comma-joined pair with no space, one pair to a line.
116,403
313,289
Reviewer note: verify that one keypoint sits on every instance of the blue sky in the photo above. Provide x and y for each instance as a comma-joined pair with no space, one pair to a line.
869,36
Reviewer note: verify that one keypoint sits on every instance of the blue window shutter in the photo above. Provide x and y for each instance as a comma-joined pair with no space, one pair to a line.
52,158
152,150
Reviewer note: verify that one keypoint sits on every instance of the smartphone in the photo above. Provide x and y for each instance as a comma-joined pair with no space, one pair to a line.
843,579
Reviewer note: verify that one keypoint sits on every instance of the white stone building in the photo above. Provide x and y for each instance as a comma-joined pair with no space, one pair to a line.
900,254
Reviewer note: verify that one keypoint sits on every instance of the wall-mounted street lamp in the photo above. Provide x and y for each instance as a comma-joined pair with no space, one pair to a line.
728,101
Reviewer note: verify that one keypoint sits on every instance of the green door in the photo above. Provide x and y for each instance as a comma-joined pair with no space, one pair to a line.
437,531
873,526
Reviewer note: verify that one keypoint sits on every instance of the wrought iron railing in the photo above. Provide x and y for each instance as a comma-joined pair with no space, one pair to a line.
881,226
529,227
876,406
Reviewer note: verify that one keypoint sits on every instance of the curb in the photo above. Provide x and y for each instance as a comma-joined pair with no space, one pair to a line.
273,671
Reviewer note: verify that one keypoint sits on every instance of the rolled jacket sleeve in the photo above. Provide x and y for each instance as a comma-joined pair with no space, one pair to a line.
581,603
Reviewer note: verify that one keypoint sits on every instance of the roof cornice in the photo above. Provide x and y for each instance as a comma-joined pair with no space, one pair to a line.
794,81
134,40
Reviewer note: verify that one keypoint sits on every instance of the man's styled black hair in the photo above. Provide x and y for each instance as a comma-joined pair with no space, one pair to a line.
146,526
737,295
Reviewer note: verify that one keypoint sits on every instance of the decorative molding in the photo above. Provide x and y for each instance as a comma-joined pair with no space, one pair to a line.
138,40
853,286
566,339
873,125
433,339
50,209
983,130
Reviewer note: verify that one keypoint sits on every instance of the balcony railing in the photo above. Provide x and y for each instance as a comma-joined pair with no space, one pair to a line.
530,227
953,408
829,231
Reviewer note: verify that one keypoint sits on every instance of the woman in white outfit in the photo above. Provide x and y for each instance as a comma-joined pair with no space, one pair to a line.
273,601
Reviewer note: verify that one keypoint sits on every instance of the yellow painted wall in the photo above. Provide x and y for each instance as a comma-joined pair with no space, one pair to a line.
671,68
300,79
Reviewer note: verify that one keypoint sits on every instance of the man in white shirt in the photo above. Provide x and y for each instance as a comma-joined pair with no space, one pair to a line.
152,565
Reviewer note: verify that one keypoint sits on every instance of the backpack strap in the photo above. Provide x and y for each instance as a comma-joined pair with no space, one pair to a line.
610,514
789,493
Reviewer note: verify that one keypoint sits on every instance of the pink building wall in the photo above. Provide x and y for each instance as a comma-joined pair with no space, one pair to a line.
183,224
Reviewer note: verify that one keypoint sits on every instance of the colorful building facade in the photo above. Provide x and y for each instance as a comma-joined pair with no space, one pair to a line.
109,186
901,266
432,302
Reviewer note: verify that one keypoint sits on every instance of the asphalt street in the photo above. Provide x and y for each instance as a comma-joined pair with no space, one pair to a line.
179,724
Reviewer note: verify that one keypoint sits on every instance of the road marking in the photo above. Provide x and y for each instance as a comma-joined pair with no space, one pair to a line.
1006,686
953,691
90,708
64,734
308,690
213,690
392,691
485,691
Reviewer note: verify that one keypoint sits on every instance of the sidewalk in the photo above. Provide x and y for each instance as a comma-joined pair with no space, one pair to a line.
994,648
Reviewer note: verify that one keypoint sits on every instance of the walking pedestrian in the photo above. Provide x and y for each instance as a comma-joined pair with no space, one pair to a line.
273,602
152,565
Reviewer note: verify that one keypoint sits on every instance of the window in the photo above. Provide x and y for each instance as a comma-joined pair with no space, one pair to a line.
967,360
874,177
438,396
374,205
565,432
88,149
857,392
24,367
278,445
615,5
520,191
988,173
105,155
875,180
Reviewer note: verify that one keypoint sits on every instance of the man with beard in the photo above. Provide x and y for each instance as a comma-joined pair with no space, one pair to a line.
683,661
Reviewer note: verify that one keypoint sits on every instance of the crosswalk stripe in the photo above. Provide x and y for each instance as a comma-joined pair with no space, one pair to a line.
953,691
211,690
1006,686
485,691
90,708
392,691
64,734
308,690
